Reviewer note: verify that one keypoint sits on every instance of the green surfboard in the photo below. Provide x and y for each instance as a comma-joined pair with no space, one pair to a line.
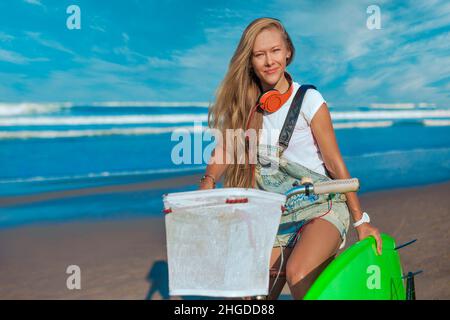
360,273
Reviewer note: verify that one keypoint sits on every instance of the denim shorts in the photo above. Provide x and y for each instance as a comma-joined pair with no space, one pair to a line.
301,209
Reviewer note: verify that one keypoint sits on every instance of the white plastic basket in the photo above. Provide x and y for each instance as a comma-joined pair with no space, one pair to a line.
219,241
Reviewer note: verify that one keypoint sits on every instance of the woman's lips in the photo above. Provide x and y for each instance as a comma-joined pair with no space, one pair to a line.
271,71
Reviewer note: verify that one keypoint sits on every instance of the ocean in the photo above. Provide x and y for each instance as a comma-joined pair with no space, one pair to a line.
64,161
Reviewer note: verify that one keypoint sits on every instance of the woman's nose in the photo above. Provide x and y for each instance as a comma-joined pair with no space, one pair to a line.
269,59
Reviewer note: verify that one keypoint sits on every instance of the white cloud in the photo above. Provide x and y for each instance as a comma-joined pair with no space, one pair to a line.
34,2
423,16
161,63
349,63
400,62
195,72
402,82
36,36
17,58
332,34
97,28
6,37
13,57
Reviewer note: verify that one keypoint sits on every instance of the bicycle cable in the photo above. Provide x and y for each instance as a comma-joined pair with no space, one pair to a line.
281,265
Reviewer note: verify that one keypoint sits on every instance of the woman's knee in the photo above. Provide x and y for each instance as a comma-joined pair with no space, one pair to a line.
295,272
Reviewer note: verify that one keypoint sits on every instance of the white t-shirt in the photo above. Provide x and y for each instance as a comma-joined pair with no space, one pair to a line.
302,147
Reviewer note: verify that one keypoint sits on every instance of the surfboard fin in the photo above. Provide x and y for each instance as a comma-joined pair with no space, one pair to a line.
410,287
405,244
412,274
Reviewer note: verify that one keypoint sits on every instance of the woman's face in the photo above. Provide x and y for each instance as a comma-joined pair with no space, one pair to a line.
269,57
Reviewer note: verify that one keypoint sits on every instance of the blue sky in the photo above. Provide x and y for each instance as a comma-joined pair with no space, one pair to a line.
179,50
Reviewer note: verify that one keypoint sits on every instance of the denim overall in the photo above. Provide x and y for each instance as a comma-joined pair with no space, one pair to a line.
279,177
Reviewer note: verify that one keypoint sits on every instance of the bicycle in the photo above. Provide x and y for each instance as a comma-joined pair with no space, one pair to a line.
357,273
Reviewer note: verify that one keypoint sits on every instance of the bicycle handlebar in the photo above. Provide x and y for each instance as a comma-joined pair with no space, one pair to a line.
332,186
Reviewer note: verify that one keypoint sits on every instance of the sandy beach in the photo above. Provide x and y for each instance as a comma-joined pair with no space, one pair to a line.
126,259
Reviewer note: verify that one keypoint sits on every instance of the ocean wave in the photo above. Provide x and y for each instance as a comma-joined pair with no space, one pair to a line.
25,108
437,123
362,124
101,175
397,152
98,120
148,104
379,115
201,127
51,134
203,117
402,105
29,108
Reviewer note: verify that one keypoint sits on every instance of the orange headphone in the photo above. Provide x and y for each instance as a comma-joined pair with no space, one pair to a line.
272,99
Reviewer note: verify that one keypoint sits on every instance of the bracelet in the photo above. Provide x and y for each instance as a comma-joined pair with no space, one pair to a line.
210,176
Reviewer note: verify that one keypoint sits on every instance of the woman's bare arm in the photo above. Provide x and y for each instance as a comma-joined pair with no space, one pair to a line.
323,132
216,167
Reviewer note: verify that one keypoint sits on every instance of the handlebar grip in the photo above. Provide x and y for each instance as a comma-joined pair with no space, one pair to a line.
337,186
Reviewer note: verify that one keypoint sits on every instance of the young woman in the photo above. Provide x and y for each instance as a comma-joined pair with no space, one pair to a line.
312,229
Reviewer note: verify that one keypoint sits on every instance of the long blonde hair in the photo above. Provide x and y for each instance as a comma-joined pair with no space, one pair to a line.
238,94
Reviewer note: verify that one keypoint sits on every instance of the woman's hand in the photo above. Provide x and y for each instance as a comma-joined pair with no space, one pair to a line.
365,230
206,184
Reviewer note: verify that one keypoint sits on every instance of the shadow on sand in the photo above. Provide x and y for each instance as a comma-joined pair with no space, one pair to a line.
158,277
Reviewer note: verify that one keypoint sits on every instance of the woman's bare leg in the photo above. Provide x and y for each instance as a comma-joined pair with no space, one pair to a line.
275,260
316,248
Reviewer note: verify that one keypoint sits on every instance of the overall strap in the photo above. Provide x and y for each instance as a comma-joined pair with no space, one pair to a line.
292,116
